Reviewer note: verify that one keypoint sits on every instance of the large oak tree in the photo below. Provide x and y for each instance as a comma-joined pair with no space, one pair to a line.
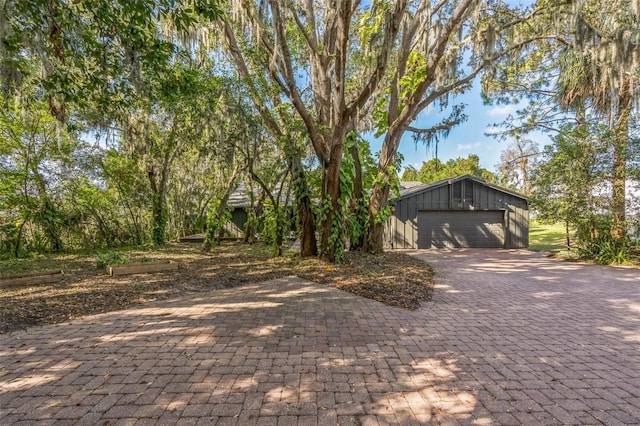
316,45
339,62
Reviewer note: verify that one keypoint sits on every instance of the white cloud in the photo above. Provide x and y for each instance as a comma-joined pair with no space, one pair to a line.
468,146
493,130
502,110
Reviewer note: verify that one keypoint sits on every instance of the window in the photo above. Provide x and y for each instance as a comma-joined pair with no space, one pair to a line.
468,192
457,193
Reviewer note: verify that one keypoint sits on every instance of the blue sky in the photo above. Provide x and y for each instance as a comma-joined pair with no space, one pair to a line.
469,137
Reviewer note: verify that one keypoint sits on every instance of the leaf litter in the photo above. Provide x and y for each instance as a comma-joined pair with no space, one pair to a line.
393,278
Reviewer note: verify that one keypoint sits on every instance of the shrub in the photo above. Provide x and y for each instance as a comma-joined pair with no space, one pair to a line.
109,258
595,242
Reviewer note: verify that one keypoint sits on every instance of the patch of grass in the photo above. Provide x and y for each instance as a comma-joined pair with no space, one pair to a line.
544,237
41,262
552,238
393,278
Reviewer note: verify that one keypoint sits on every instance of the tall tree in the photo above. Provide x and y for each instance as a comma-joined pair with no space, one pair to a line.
517,162
436,39
172,111
346,53
604,71
96,61
312,44
34,156
284,125
567,182
585,68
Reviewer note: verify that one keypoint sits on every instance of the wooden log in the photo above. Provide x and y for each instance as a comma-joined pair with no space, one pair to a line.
196,238
142,268
31,278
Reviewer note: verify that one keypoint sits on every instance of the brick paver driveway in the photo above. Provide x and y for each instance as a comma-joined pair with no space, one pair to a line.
510,338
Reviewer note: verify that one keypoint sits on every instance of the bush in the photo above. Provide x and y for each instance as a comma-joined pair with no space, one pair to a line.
109,258
595,242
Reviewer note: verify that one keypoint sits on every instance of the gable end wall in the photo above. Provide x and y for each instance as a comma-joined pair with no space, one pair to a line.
402,227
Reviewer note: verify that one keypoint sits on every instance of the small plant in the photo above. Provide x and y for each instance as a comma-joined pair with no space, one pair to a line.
216,220
595,242
274,225
612,252
109,258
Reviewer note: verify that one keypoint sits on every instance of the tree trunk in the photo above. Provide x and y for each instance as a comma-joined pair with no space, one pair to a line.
48,214
280,231
217,234
250,225
357,241
159,217
158,207
127,205
331,195
306,219
308,243
374,236
225,199
621,141
19,238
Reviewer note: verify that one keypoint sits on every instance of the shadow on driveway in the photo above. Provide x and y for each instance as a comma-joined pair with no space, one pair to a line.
509,338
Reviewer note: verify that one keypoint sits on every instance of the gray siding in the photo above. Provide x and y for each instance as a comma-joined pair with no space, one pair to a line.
235,227
457,194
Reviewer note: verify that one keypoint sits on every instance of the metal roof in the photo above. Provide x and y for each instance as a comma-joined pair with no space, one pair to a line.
429,186
240,197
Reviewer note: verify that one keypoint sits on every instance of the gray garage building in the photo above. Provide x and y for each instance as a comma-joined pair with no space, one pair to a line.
459,212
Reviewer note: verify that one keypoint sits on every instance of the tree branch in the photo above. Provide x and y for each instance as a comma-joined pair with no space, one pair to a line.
391,31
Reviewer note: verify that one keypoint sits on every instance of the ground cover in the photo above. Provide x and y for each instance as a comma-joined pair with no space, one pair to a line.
545,237
392,278
552,239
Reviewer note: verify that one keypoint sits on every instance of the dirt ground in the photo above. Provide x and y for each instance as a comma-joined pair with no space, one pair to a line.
392,278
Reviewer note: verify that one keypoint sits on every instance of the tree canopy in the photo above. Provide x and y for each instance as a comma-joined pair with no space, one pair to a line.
435,170
128,121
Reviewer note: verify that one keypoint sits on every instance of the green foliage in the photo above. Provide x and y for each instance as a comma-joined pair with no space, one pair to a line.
275,224
595,242
161,218
128,194
51,218
435,170
415,74
390,179
410,174
95,52
138,75
568,189
380,116
373,20
251,224
35,159
567,177
351,216
216,220
109,258
9,240
343,219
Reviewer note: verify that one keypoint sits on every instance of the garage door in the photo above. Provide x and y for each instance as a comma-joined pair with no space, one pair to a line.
455,229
